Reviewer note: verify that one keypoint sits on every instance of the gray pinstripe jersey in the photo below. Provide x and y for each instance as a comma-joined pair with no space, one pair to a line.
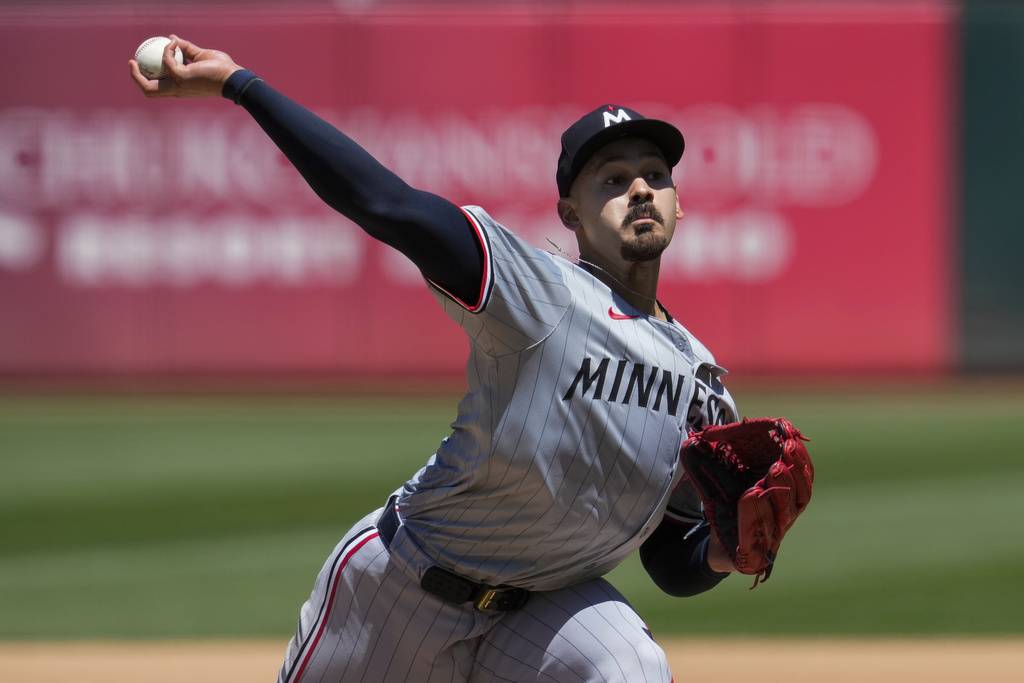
564,454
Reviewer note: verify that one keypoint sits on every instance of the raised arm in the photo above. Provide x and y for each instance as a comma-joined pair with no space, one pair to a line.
431,231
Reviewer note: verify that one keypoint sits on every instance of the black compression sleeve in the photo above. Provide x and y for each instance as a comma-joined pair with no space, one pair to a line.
677,560
431,231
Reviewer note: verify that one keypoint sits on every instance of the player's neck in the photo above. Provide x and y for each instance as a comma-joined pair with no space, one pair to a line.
636,283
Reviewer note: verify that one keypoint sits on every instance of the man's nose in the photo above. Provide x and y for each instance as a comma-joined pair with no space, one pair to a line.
640,191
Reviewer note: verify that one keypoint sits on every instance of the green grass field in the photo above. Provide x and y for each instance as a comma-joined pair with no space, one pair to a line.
209,516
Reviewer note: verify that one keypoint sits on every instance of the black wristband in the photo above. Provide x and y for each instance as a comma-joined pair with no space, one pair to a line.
237,84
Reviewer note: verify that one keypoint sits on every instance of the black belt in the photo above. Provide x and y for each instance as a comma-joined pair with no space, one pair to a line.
449,585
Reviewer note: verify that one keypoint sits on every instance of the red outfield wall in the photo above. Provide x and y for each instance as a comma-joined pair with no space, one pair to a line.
153,238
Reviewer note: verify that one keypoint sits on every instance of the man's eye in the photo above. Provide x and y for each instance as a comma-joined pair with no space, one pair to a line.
613,180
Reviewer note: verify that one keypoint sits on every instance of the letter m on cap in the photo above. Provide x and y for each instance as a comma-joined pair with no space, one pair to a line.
615,117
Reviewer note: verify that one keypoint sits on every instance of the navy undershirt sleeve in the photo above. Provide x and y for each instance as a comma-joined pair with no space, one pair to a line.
431,231
675,557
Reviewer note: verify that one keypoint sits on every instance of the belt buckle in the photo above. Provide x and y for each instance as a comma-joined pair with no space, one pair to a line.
488,601
501,599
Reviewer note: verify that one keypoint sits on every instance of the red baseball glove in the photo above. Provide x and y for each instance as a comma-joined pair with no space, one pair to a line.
755,479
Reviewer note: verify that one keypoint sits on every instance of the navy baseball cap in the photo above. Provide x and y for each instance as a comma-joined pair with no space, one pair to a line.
601,126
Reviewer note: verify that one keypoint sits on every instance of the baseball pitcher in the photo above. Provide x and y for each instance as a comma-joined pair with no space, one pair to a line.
567,454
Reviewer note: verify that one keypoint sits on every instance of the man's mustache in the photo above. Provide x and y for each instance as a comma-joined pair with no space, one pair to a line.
645,210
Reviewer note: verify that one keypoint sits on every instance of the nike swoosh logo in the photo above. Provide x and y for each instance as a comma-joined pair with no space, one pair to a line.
620,316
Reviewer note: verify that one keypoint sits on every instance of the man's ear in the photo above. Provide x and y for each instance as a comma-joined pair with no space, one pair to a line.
567,213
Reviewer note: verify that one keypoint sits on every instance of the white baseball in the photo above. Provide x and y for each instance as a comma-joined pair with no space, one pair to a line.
150,56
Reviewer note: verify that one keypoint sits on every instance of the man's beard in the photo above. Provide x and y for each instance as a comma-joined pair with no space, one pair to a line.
646,245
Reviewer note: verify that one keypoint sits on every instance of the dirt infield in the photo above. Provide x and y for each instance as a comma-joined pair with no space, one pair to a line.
722,661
